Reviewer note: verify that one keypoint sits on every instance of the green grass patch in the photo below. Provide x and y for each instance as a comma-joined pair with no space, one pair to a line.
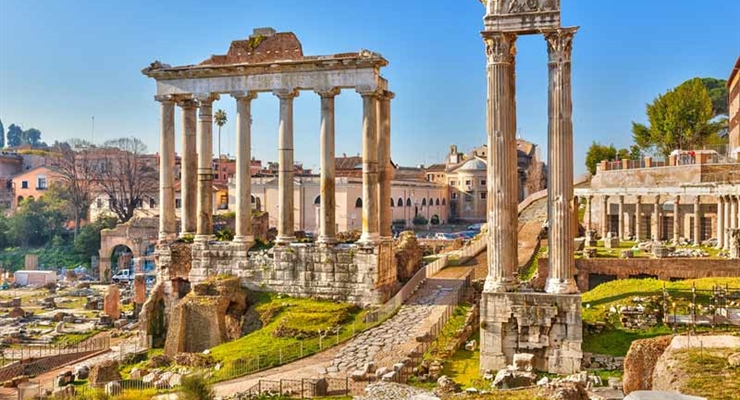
446,338
709,374
617,341
529,270
291,329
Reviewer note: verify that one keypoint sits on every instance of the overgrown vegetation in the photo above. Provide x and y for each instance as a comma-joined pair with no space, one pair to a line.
709,374
529,270
195,387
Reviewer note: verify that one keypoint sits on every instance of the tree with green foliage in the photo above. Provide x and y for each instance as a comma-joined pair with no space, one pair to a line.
74,162
15,133
87,241
219,118
717,90
597,153
2,135
31,137
679,119
36,222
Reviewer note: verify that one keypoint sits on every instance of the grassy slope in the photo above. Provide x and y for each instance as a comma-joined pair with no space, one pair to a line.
709,374
621,292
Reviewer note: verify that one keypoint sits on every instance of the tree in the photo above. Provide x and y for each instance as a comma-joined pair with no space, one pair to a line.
597,153
679,119
32,137
87,242
126,175
219,118
36,222
717,90
2,135
15,133
73,160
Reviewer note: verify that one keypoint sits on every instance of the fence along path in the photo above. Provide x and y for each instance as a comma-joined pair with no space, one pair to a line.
431,296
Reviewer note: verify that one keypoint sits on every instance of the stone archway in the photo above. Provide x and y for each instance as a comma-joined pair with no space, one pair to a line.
136,235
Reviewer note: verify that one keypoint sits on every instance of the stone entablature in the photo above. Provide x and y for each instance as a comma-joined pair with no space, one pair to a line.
667,176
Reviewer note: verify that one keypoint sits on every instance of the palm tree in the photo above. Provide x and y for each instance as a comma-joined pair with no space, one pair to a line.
220,119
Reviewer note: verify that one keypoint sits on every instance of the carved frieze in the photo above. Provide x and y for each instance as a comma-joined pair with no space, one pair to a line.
522,16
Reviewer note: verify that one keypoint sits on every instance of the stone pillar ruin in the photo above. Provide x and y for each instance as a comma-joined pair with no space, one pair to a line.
589,199
327,212
734,235
727,213
286,167
697,220
720,222
620,230
370,234
638,217
243,231
188,168
545,325
656,218
502,184
166,169
385,169
204,224
733,214
676,219
604,215
112,302
560,181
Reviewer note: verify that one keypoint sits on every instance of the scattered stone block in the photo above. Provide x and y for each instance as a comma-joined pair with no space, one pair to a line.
660,395
138,373
82,372
369,368
627,254
611,242
471,345
508,379
381,371
398,367
358,375
390,376
543,381
447,385
112,302
523,361
104,372
113,388
67,392
734,360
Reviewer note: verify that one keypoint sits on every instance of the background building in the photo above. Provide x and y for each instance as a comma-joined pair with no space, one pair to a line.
733,88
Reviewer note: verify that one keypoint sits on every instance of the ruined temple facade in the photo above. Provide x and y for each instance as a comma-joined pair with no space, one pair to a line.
547,325
273,63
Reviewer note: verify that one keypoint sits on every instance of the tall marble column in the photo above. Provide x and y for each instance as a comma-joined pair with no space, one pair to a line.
560,148
286,167
576,223
697,220
656,218
243,226
370,234
620,229
204,225
385,169
676,219
188,168
733,215
589,199
167,169
638,217
604,215
502,163
720,222
327,212
728,216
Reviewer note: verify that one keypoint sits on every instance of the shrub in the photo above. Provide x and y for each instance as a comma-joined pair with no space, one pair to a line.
225,235
195,387
420,220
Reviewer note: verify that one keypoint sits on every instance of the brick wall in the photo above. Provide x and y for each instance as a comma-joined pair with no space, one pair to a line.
665,269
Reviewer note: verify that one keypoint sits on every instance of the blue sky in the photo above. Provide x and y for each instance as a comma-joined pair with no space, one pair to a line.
62,62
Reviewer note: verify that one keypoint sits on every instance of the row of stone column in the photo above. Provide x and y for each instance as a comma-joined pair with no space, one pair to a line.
197,166
728,217
502,204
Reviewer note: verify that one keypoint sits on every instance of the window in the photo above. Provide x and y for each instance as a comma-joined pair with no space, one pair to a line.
178,203
408,202
41,183
431,202
153,203
24,184
453,183
400,202
468,182
358,202
444,202
392,203
423,202
437,201
316,201
483,182
453,196
483,195
468,198
99,203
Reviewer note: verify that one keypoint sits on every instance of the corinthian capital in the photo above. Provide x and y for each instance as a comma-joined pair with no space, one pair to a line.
559,43
500,47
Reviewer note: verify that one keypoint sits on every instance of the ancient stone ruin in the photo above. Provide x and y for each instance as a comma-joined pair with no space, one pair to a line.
547,325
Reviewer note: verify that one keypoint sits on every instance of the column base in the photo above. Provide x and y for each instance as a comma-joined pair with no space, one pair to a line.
247,240
498,285
327,240
201,238
560,286
368,239
283,240
167,237
185,234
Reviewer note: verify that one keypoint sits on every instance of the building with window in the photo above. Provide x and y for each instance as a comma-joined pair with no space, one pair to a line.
32,184
733,88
